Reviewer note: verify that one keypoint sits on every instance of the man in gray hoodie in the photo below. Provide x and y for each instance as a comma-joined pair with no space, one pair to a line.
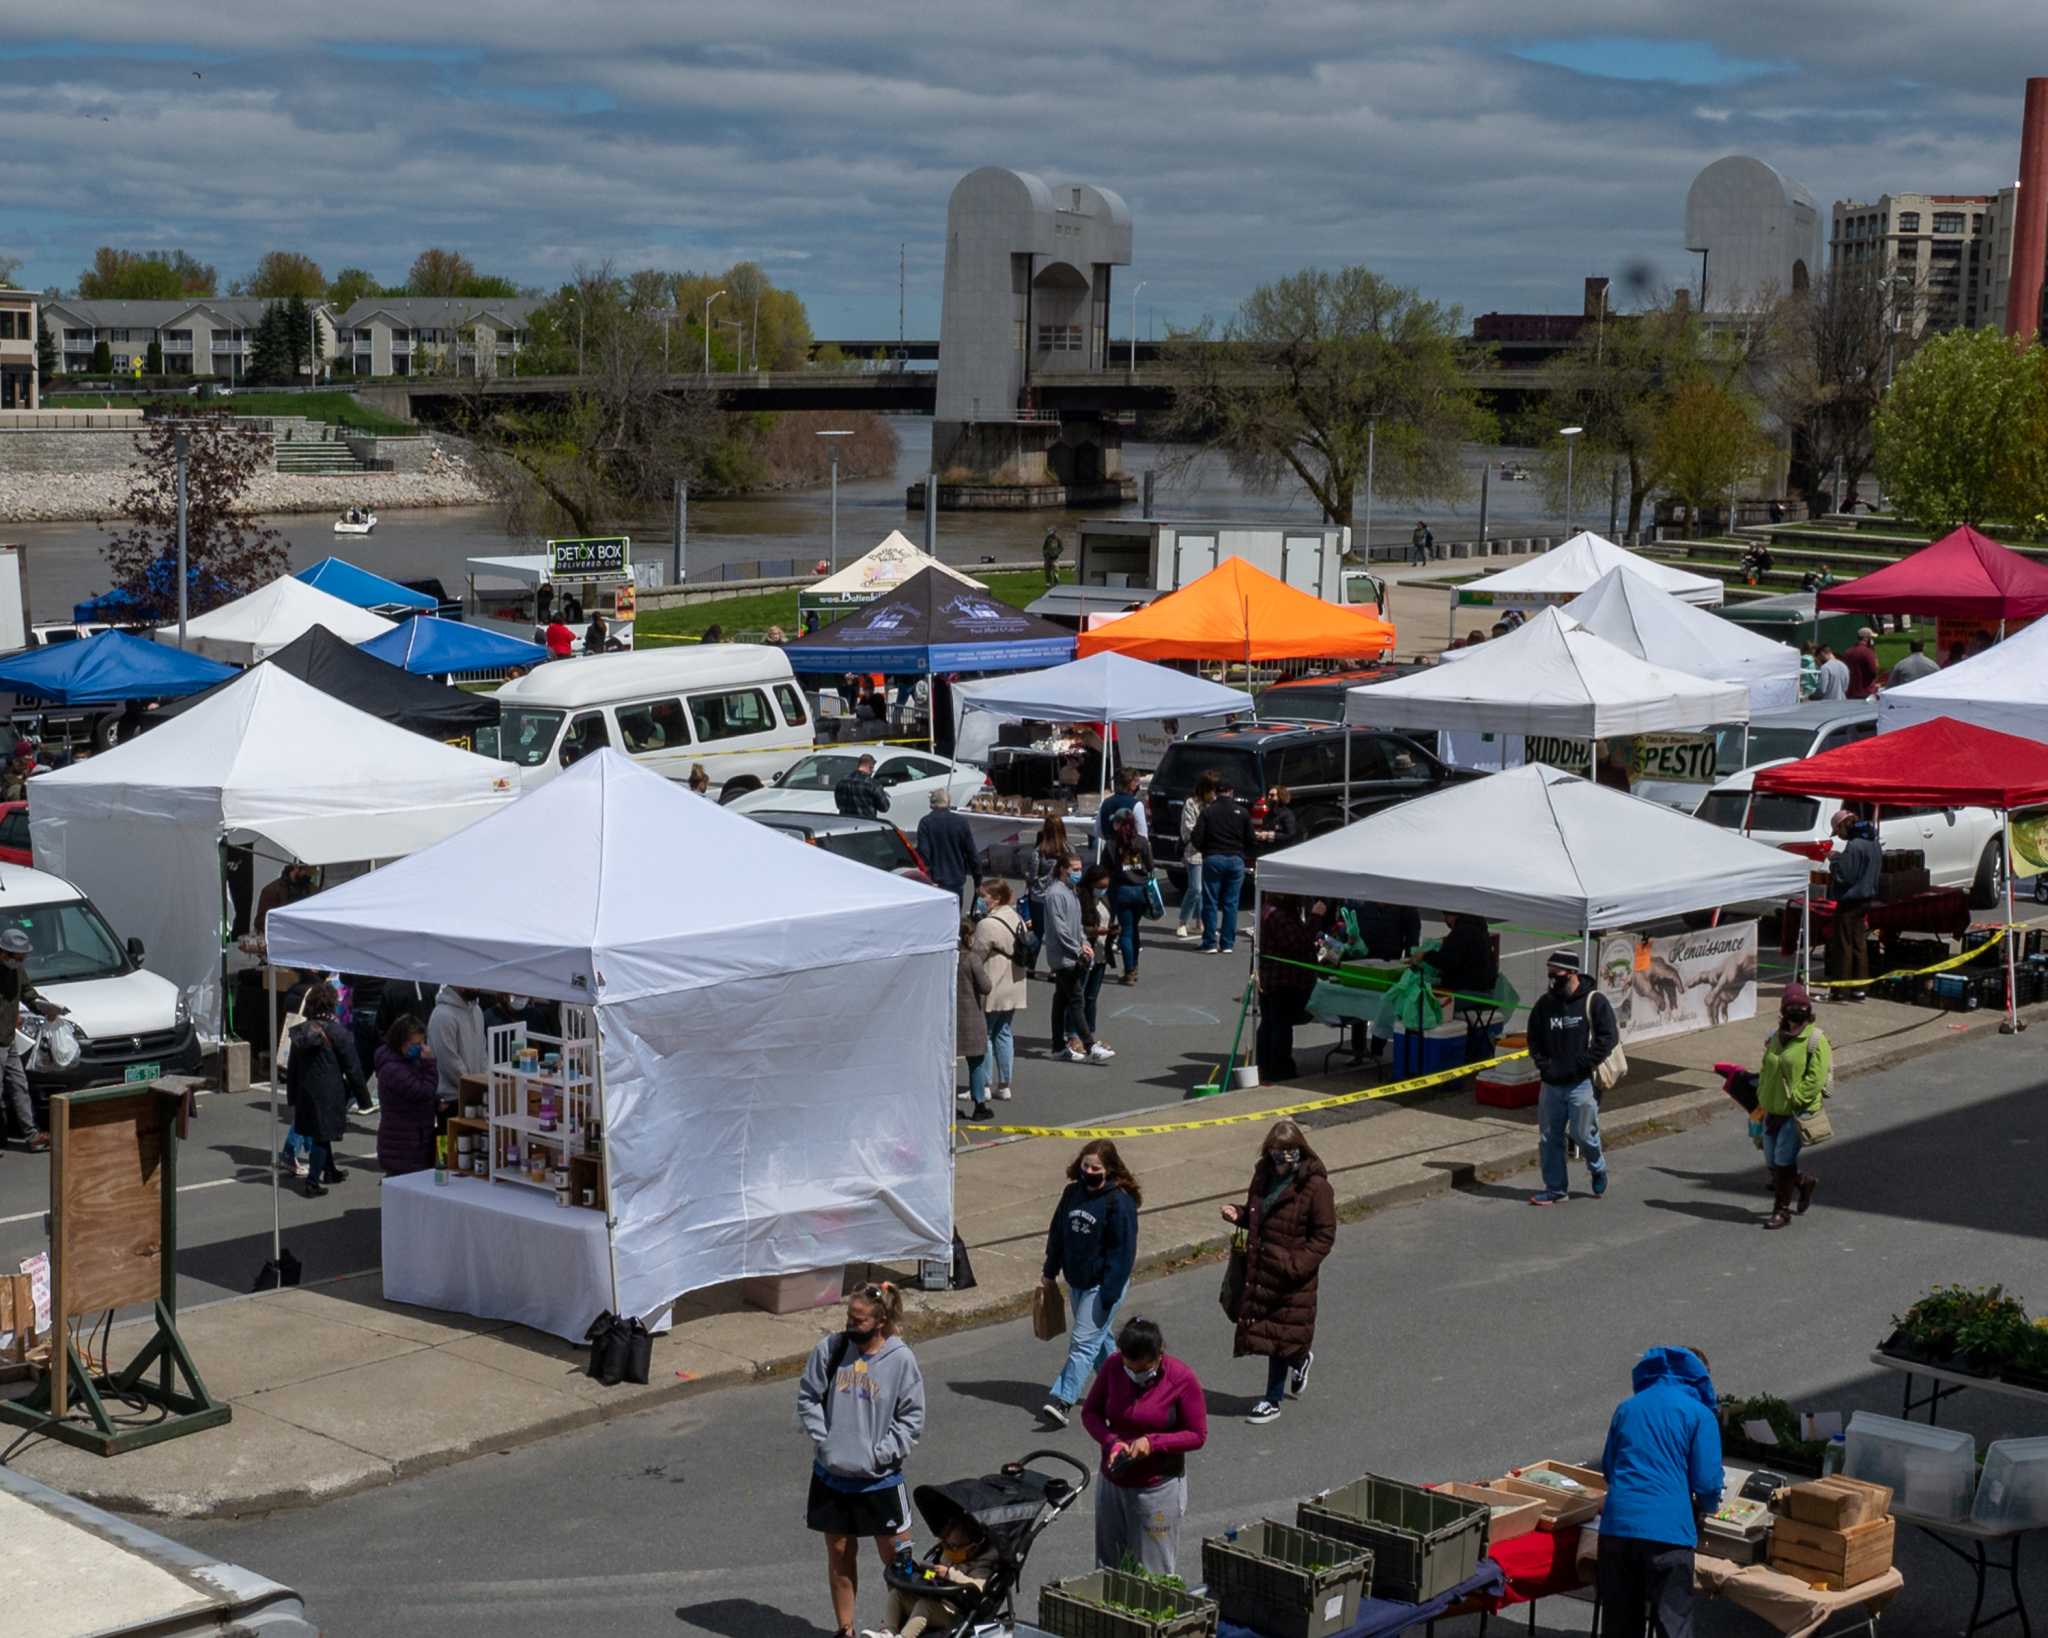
455,1036
861,1401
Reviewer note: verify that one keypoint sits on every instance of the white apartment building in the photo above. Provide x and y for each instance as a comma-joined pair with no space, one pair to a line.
200,336
433,335
1945,250
18,385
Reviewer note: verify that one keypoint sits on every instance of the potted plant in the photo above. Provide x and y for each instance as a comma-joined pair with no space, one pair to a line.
1926,1333
2028,1366
1992,1334
1790,1453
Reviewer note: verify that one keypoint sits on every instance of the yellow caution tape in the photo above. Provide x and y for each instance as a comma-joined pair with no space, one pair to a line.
1339,1100
1968,955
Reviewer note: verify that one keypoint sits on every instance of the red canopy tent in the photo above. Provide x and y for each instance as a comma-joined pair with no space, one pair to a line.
1939,764
1964,575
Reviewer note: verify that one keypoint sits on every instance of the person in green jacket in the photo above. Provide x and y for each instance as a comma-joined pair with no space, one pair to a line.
1793,1080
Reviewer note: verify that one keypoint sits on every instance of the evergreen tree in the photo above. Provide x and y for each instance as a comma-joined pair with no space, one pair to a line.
46,350
304,339
102,359
153,358
270,361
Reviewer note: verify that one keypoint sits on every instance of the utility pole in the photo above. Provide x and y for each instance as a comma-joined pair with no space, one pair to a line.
1372,433
682,528
901,265
708,300
182,444
1140,285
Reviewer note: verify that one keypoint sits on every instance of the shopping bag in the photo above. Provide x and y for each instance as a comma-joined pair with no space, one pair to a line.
1607,1073
1048,1311
1413,1003
963,1270
639,1352
1815,1127
1155,901
1231,1296
608,1338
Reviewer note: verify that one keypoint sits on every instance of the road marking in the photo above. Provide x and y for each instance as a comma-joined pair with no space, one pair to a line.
183,1188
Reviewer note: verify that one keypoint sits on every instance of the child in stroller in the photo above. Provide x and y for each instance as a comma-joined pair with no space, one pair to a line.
985,1529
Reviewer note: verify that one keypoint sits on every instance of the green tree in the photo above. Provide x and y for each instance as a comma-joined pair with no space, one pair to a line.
304,348
283,273
270,350
153,358
1708,441
127,275
102,359
46,350
1298,381
437,272
1962,437
350,286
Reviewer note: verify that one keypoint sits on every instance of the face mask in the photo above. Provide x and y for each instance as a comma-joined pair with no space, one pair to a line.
1792,1022
413,1051
1073,878
1094,1180
1142,1379
1560,983
980,905
861,1334
1284,1160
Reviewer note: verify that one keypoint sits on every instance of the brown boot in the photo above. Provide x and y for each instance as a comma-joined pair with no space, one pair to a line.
1807,1184
1783,1183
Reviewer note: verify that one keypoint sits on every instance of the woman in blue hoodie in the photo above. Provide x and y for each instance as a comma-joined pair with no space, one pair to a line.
1663,1468
1093,1241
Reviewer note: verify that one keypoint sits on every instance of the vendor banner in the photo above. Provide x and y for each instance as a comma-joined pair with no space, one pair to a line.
595,557
2029,829
1572,755
1687,981
1679,759
1966,631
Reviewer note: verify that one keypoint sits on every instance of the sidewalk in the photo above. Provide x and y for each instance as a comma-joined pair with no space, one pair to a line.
334,1390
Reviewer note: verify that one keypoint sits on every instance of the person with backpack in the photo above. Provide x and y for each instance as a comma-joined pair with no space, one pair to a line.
1130,858
1092,1243
1190,856
1006,946
861,1401
323,1075
1790,1085
1572,1029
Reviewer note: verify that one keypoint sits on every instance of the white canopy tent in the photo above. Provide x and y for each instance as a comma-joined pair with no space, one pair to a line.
1639,618
255,627
887,564
1552,677
1541,847
2004,688
140,827
1573,568
775,1023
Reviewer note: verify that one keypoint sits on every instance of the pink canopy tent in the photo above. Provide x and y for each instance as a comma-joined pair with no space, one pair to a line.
1964,575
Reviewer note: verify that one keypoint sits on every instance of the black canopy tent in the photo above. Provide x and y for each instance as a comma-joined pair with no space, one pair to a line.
377,687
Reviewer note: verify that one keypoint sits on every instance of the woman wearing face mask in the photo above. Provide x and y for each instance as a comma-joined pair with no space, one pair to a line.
407,1086
861,1400
1092,1242
1004,944
1099,921
1147,1412
970,1019
1070,950
1289,1218
1793,1080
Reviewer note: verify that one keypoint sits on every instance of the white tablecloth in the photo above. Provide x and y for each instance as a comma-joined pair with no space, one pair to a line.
495,1250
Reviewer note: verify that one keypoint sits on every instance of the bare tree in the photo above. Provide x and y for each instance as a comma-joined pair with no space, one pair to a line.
227,552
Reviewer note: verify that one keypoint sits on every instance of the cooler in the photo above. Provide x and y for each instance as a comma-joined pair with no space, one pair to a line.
1424,1052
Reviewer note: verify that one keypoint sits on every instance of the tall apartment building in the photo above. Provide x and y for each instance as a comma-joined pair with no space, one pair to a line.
1944,249
18,385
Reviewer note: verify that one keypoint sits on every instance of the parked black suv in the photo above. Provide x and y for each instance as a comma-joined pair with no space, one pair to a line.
1309,760
1319,697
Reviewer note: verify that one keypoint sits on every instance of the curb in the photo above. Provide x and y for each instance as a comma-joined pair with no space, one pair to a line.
1684,1109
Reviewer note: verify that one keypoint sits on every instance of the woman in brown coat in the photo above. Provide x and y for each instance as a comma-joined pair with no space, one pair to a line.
1290,1223
970,1021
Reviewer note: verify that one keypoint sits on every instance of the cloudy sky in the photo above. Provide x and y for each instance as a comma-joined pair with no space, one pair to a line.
1491,153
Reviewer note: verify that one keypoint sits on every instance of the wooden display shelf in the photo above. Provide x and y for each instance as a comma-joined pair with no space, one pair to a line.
587,1172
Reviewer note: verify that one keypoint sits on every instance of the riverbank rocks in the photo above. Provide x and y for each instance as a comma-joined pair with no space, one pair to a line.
58,497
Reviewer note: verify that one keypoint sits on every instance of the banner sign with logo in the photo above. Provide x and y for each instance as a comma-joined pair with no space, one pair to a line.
1687,981
2029,827
1683,759
1572,755
596,557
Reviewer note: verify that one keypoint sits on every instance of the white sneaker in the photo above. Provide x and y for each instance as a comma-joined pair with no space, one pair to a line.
1067,1055
1003,1094
1099,1054
1185,931
1264,1411
960,1093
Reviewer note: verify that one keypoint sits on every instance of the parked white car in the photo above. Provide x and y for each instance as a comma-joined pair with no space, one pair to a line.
1963,846
907,774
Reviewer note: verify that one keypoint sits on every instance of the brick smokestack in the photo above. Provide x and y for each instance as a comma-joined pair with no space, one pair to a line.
2030,217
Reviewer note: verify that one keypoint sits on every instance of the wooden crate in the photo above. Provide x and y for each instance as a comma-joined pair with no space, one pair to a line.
1835,1559
1835,1503
1513,1515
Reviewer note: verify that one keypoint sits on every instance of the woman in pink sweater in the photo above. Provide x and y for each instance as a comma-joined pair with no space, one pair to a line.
1146,1411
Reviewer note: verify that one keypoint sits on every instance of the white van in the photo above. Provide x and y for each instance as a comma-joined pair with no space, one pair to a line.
122,1022
735,707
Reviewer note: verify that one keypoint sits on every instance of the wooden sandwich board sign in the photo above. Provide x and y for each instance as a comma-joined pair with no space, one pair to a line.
113,1243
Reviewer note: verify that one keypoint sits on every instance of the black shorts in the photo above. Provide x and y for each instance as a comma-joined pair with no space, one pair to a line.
832,1512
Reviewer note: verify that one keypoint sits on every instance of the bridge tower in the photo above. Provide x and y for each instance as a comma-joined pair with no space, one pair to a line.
1026,301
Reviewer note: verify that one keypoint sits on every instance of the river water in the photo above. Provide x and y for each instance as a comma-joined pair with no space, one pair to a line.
787,533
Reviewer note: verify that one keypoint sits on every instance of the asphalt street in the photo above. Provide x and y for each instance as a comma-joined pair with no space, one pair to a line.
1457,1336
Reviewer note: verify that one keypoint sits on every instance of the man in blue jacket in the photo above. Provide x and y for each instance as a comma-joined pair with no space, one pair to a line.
1663,1468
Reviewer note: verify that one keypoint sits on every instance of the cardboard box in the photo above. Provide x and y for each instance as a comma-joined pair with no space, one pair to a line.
794,1293
1513,1515
17,1318
1835,1559
1836,1503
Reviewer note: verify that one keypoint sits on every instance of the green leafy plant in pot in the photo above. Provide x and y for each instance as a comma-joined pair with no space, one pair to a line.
1930,1330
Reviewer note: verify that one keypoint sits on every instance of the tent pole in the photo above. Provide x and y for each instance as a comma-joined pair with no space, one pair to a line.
2012,1012
604,1116
1806,936
1347,773
276,1223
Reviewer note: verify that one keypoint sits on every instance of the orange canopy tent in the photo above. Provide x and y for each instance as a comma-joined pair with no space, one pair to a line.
1238,612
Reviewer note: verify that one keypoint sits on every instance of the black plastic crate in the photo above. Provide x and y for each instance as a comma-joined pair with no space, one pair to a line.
1285,1582
1423,1542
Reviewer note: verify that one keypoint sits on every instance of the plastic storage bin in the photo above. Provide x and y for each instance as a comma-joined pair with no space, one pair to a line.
1424,1052
1423,1542
1931,1471
2012,1494
1286,1583
1078,1608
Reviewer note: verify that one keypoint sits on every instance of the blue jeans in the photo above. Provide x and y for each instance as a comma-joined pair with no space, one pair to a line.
1191,900
1781,1148
1222,884
1091,992
1090,1340
1562,1108
319,1159
977,1078
1130,905
1002,1044
293,1143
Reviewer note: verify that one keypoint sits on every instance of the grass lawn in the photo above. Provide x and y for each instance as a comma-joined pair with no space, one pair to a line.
339,407
748,617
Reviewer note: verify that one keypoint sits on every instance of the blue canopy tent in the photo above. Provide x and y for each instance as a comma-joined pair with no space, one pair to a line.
106,668
432,647
121,607
932,623
339,578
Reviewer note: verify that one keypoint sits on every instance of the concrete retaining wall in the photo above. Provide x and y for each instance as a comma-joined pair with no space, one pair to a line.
96,449
404,454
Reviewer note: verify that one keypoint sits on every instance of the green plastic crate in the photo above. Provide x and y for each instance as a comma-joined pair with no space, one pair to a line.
1077,1608
1284,1582
1423,1542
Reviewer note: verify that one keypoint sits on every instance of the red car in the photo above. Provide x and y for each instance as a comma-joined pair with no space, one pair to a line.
14,847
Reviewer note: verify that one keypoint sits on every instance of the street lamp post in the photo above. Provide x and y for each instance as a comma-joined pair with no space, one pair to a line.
1701,252
1568,434
708,300
183,444
664,341
834,448
1372,431
1140,285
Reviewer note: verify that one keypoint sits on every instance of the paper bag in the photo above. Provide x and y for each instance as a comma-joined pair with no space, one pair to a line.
1048,1311
17,1317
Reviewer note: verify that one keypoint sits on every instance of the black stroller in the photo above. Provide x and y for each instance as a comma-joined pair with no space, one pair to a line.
1014,1507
